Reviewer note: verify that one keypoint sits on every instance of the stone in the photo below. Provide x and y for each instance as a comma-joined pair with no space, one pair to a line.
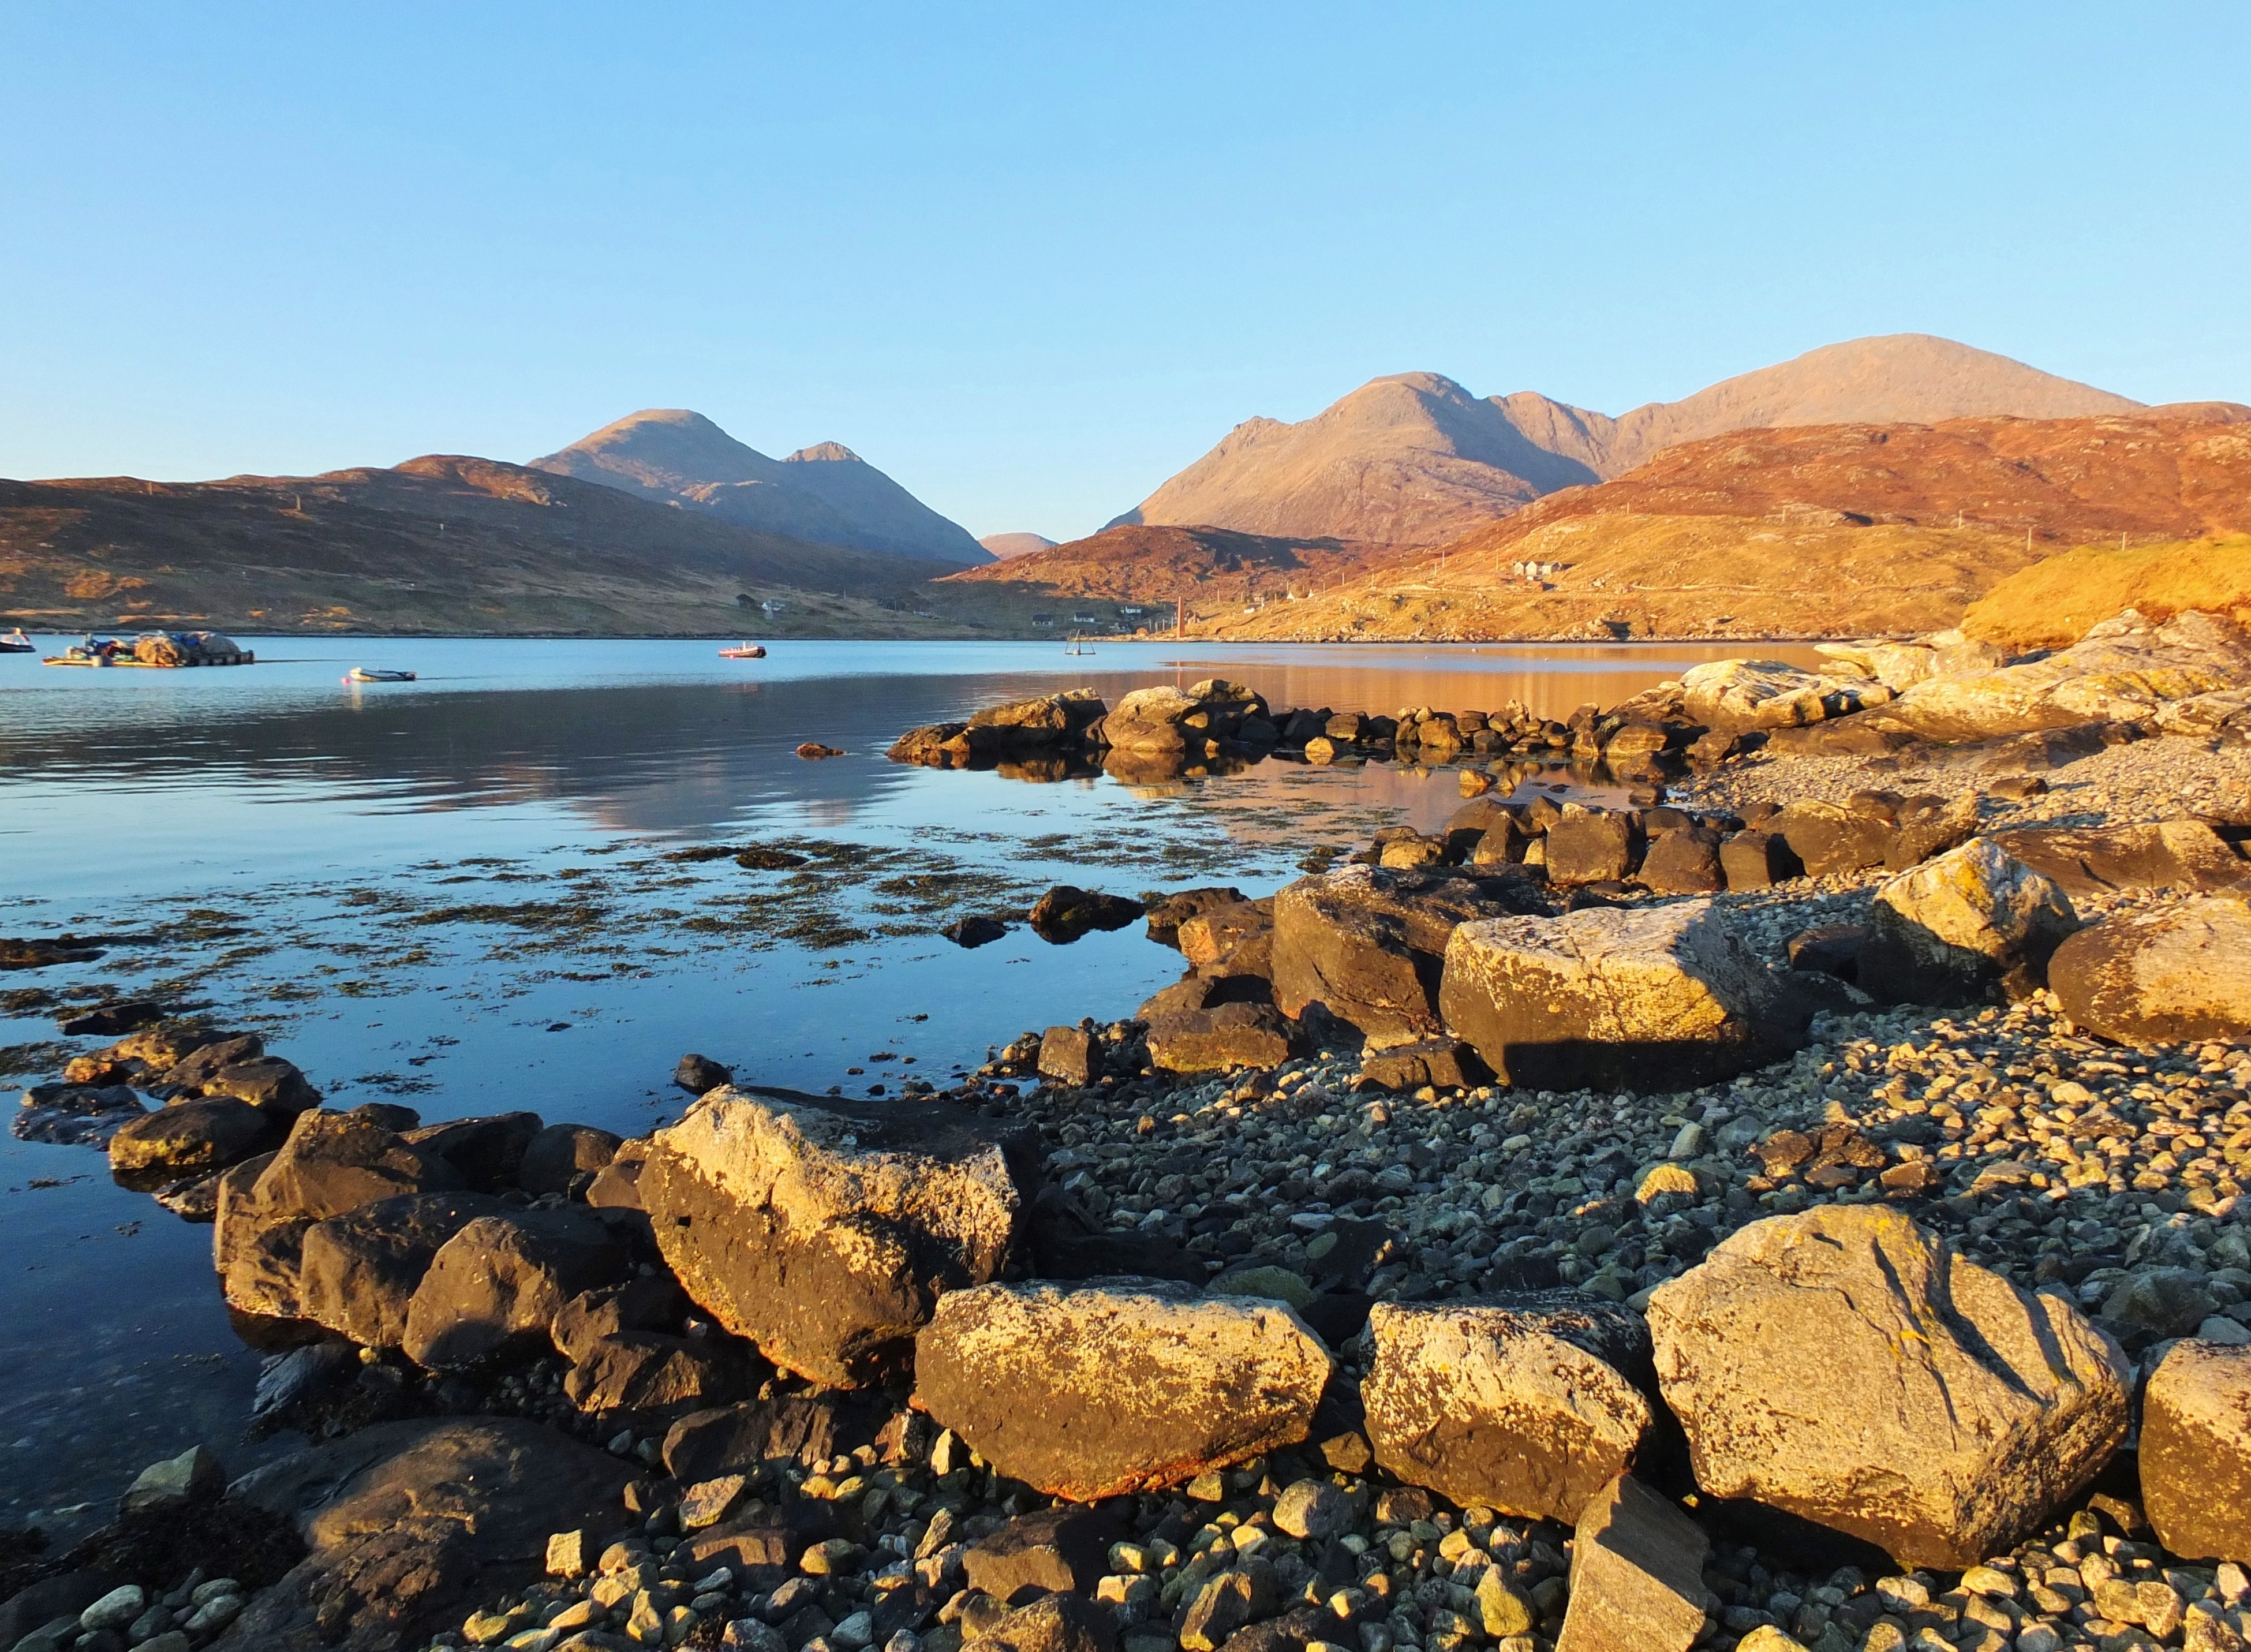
75,1115
824,1228
502,1279
1972,925
106,1021
1995,1405
116,1609
1736,695
699,1074
1591,846
408,1524
740,1439
1169,722
654,1302
196,1137
1120,1386
1929,826
1206,1029
2196,1451
1050,719
1684,862
1208,940
357,1272
1166,916
648,1371
1833,840
1367,944
1068,1055
1052,1623
1447,1063
266,1082
571,1554
2160,976
2185,855
1636,1575
195,1477
974,931
1528,1405
1312,1511
1755,860
616,1186
1829,949
1066,912
489,1152
1641,998
2169,1302
709,1502
188,1070
1059,1549
558,1155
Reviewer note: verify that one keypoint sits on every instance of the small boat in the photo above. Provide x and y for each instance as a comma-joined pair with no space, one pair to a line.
16,643
368,673
743,651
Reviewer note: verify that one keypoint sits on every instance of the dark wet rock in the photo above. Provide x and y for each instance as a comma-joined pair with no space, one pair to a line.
1971,927
1636,1575
1067,1243
649,1371
1659,997
1066,912
974,931
192,1198
740,1439
824,1228
1529,1405
357,1272
108,1020
1051,1550
1367,944
558,1155
487,1152
75,1115
288,1380
193,1478
201,1137
2168,973
697,1075
1829,949
1093,1391
409,1524
391,1115
502,1279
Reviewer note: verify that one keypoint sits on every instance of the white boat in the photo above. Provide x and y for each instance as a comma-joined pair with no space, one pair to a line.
368,673
16,643
743,651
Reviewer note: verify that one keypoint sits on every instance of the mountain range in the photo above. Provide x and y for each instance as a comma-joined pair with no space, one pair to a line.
1415,459
821,495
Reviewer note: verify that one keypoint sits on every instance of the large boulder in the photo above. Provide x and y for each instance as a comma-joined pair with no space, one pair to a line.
1746,694
1368,943
357,1272
1033,725
558,1155
1214,1023
488,1151
189,1138
1591,845
1646,998
266,1082
2160,976
2099,860
1636,1575
1528,1405
410,1523
2196,1451
1970,927
1169,722
1846,1366
825,1229
1124,1385
502,1279
1685,861
1833,840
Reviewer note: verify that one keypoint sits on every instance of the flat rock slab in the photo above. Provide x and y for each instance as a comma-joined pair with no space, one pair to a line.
1524,1405
1647,998
824,1228
2095,860
2196,1451
2161,975
1636,1575
409,1524
1125,1385
1844,1365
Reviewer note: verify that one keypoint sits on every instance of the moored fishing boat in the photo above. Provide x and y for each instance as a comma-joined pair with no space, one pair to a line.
743,651
158,650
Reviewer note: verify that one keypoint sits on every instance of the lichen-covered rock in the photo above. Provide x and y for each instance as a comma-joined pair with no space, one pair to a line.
1743,694
1123,1386
1645,998
2159,976
2196,1451
1973,925
825,1229
1636,1575
1844,1365
189,1138
1524,1405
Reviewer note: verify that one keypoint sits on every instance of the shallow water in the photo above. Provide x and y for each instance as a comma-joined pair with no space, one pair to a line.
455,893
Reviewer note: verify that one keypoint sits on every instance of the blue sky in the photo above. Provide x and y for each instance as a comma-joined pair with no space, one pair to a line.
1032,259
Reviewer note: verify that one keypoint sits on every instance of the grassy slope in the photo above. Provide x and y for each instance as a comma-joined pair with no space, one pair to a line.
2052,603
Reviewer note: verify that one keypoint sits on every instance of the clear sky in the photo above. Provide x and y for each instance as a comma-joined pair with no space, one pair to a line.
1032,259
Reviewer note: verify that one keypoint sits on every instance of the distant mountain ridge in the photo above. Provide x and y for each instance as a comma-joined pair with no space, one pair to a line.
822,495
1004,545
1415,459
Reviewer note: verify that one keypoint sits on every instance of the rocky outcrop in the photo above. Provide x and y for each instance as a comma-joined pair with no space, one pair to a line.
1971,927
824,1228
2185,855
1636,1575
1644,997
189,1138
357,1272
1523,1405
502,1279
1746,694
2196,1451
1208,1024
1167,721
1994,1404
1368,944
1124,1385
409,1522
555,1159
2159,976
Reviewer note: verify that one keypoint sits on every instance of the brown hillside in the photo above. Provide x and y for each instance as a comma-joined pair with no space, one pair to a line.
1828,531
2055,601
1156,566
440,544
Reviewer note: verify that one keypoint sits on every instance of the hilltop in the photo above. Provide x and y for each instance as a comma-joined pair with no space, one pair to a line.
823,495
1004,545
1416,460
1829,530
440,544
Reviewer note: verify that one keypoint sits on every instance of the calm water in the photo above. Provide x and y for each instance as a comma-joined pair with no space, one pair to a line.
455,893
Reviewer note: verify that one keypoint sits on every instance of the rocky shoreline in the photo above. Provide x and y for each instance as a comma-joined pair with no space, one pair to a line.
1802,1208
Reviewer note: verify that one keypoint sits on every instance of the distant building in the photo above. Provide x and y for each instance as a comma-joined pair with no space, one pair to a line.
771,606
1043,619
